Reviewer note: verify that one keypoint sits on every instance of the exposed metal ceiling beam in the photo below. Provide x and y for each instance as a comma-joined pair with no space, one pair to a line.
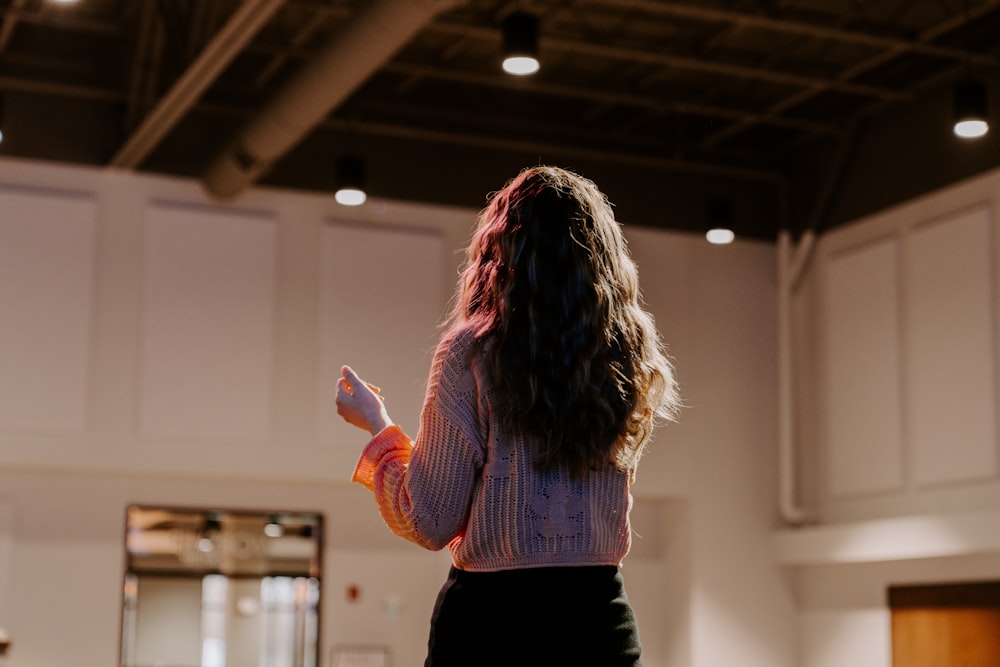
389,129
677,164
702,12
61,19
9,21
217,54
71,91
142,76
651,103
859,68
673,61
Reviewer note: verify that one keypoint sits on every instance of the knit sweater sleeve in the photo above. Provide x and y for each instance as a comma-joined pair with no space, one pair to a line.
423,488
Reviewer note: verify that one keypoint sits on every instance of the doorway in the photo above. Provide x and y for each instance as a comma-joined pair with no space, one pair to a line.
217,587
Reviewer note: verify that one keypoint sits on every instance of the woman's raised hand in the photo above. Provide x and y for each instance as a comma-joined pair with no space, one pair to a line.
360,403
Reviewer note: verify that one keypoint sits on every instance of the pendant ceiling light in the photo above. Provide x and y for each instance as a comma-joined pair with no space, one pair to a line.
520,43
350,181
970,108
719,221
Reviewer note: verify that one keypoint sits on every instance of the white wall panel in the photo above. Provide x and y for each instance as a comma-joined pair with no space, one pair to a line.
46,302
859,637
950,361
379,311
208,302
861,370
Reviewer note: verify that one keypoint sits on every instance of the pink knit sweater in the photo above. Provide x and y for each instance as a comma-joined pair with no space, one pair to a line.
467,484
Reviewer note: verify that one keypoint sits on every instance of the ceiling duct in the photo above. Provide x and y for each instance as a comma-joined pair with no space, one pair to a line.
368,41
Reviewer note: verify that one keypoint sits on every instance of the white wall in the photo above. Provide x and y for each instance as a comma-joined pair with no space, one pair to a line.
897,364
183,352
716,308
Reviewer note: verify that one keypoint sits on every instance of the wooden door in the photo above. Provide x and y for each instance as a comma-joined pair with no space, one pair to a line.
955,625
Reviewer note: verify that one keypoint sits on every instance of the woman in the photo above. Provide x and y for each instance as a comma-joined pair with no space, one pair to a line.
543,390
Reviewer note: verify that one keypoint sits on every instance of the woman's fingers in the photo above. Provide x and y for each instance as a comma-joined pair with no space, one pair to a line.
351,380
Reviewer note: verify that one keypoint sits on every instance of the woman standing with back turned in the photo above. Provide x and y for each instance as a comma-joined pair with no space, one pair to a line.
543,390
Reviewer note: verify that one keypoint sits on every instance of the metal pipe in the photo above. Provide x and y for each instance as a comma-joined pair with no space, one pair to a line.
790,268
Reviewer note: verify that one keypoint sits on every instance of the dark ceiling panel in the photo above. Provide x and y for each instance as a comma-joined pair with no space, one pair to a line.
752,100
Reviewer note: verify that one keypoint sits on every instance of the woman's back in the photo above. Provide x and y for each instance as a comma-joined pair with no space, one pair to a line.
518,516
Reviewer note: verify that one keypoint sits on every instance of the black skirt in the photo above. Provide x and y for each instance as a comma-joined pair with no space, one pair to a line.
550,616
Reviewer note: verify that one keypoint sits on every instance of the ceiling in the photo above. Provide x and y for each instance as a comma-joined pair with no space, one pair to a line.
800,113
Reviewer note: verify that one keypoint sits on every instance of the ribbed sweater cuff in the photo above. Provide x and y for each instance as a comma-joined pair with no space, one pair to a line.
389,440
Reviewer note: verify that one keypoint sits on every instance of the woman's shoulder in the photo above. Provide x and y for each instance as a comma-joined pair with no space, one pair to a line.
454,351
454,375
460,340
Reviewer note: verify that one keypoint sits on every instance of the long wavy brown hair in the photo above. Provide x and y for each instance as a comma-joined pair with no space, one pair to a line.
574,360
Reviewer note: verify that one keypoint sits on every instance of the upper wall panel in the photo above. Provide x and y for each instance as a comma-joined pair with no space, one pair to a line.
861,364
145,328
47,245
907,361
207,323
950,349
